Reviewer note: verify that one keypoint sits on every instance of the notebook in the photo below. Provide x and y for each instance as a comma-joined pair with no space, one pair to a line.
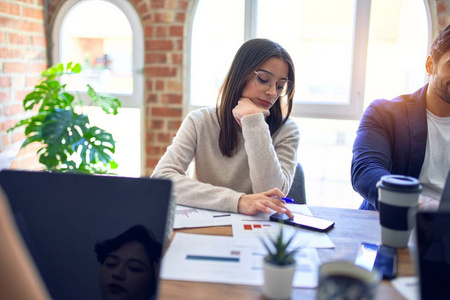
62,217
433,253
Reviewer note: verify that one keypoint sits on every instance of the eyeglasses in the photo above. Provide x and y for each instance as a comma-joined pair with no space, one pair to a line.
264,81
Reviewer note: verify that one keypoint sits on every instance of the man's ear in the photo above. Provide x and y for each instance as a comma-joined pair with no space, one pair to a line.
429,65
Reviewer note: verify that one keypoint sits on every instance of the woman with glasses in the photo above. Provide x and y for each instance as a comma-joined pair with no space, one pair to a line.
244,149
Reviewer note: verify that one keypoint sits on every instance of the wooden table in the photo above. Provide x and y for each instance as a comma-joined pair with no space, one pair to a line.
351,228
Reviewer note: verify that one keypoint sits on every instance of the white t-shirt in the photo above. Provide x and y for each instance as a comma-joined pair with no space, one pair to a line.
437,156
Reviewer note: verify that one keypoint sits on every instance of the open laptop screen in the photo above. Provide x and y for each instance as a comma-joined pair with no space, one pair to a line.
433,250
91,236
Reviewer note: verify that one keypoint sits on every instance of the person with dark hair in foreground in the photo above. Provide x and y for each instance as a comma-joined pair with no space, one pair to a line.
245,148
408,135
129,265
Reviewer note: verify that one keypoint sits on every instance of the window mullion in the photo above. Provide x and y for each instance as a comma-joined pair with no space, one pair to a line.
360,48
251,10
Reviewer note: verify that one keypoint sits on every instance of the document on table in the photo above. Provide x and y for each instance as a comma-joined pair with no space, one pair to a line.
249,230
190,217
207,258
407,286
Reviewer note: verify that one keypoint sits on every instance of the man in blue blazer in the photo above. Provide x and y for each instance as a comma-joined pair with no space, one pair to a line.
408,135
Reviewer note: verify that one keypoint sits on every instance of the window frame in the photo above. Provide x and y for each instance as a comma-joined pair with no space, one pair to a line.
355,107
135,99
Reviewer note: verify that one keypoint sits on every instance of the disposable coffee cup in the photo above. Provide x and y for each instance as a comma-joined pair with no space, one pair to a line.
345,280
398,198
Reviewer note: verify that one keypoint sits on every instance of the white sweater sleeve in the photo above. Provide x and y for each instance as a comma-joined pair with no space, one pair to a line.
272,162
188,191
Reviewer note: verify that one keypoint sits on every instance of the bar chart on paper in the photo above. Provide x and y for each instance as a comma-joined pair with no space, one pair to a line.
190,217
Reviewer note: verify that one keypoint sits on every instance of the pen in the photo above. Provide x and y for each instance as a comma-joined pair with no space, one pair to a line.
285,199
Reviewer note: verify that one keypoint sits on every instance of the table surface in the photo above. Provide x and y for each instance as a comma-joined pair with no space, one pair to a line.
351,228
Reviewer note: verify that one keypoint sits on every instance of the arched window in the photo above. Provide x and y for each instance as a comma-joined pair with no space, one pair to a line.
109,47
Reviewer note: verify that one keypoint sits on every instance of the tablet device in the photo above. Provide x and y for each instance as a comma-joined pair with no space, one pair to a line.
304,221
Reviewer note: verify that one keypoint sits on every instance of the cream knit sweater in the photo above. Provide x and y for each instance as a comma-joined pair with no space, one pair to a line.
261,162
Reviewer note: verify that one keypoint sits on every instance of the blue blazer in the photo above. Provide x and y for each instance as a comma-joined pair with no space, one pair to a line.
391,139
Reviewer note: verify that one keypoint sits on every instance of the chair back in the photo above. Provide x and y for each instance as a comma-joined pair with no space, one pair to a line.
297,191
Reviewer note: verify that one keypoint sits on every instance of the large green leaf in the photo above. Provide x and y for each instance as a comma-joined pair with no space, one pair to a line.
109,104
69,142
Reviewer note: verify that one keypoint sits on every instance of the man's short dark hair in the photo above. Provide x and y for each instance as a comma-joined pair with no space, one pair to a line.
440,45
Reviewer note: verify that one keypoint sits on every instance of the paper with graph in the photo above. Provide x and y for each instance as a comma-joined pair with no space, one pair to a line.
207,258
249,230
191,217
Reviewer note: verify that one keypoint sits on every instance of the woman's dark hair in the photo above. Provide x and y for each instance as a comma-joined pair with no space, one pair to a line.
250,56
138,233
440,45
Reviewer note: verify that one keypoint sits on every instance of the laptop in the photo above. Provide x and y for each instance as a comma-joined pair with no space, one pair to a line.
444,204
64,217
433,253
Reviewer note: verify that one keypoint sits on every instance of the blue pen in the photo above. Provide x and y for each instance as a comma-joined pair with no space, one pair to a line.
286,199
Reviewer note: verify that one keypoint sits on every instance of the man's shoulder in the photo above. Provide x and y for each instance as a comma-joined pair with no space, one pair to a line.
400,101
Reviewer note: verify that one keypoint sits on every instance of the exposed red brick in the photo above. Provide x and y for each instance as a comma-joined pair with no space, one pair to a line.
6,22
148,31
164,17
151,162
5,82
173,125
181,17
157,4
30,26
166,112
161,31
165,137
38,68
33,13
14,67
39,41
159,85
177,58
160,71
172,98
150,137
183,5
159,45
155,124
174,86
19,39
176,31
151,98
9,8
9,53
152,58
20,95
12,110
154,150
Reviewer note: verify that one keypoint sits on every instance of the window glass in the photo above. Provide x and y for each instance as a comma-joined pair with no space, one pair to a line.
318,35
397,49
102,44
217,33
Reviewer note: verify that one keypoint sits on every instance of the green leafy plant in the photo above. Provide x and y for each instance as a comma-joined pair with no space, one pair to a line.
277,249
69,141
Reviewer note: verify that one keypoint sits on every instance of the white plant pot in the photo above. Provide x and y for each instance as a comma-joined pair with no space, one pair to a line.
278,280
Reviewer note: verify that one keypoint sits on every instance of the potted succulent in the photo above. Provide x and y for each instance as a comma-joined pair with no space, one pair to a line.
69,142
279,267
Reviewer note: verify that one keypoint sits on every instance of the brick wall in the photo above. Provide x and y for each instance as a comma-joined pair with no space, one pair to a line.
23,56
